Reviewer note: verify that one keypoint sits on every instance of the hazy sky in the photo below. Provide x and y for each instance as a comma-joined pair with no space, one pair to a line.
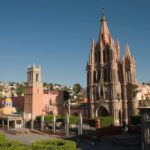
57,34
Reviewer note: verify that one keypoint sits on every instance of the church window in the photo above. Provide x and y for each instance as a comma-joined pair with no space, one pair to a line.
37,77
108,75
104,56
98,75
99,57
105,75
95,57
106,95
107,54
94,76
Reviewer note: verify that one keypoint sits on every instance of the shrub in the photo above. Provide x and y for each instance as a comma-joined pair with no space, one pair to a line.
49,118
2,137
11,145
135,120
54,144
73,119
106,121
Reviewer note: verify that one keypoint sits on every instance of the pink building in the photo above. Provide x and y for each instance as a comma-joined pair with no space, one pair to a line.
36,100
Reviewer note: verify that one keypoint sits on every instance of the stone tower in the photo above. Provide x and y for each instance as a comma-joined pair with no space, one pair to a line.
107,77
33,91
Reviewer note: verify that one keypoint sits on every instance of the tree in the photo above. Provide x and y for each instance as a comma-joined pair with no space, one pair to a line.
77,88
20,89
66,95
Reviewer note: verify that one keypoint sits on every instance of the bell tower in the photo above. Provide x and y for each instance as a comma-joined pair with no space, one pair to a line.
33,92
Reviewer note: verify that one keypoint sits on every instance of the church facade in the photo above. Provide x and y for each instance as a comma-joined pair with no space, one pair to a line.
109,79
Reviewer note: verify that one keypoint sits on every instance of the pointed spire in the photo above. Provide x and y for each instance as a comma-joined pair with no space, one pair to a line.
127,54
123,60
117,49
92,44
104,31
117,45
91,57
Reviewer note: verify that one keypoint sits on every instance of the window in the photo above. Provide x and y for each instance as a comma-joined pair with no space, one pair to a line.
104,56
107,54
94,76
99,56
37,77
105,75
95,57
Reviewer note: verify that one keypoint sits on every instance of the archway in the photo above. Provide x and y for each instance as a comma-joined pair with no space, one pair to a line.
102,111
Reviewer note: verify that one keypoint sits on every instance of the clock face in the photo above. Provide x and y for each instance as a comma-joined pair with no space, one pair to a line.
76,88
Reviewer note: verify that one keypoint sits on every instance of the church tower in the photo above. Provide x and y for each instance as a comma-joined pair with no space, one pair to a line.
107,77
33,91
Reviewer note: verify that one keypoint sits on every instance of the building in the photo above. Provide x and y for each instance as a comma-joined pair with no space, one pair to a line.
109,78
145,123
7,108
9,117
36,100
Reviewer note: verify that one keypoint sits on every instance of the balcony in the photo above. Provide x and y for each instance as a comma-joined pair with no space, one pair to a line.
144,104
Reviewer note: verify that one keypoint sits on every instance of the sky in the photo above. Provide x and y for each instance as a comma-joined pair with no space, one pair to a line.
57,35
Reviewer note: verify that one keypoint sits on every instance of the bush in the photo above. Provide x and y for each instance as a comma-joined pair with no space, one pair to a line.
54,144
106,121
49,118
2,137
73,119
135,120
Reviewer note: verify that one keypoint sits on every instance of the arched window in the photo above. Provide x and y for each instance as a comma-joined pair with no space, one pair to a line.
37,77
104,57
98,75
105,75
95,57
108,75
99,56
94,76
107,54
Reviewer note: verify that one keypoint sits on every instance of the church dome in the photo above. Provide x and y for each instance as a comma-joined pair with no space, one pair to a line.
8,100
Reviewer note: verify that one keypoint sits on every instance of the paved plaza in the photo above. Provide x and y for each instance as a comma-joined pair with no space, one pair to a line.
28,138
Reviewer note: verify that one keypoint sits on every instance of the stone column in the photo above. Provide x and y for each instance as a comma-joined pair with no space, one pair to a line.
8,124
32,121
69,107
80,124
22,123
15,124
54,124
67,124
42,122
2,122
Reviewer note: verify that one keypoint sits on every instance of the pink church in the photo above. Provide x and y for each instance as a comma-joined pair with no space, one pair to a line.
36,100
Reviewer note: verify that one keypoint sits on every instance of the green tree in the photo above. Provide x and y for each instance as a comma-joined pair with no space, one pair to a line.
20,89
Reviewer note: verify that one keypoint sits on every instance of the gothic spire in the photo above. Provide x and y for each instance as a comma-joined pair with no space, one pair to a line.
92,44
104,35
128,53
117,45
91,57
117,49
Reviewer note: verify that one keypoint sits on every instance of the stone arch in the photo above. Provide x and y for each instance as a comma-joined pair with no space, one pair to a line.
102,111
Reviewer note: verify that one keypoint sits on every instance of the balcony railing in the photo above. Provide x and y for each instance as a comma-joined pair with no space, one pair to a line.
144,103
